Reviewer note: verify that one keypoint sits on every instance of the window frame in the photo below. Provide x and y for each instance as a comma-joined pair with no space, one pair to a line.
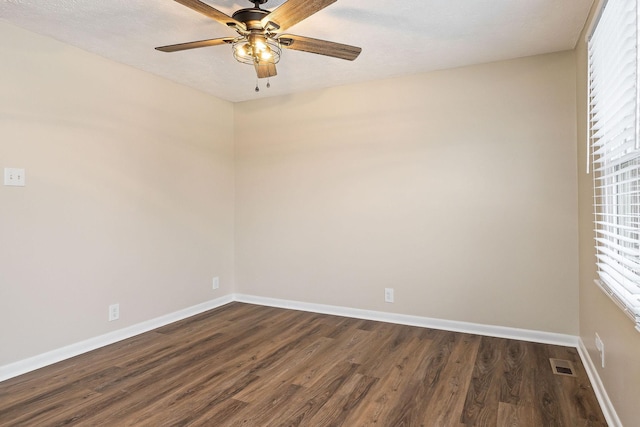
613,121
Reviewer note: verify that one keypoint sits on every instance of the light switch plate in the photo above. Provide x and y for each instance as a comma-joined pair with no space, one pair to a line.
14,177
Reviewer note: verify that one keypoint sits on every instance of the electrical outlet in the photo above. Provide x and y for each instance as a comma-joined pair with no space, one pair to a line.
216,283
114,312
600,347
388,294
14,177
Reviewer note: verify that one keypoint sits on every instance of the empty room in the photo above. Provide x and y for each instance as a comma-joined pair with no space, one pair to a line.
319,213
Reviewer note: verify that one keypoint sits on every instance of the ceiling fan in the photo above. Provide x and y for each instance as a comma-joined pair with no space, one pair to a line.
260,39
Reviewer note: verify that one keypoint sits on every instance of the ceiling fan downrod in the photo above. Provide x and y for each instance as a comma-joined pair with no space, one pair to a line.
257,3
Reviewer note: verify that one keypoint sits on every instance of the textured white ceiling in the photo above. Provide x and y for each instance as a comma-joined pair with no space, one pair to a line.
397,37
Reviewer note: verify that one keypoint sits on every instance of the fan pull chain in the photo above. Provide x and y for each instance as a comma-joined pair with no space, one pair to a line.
257,89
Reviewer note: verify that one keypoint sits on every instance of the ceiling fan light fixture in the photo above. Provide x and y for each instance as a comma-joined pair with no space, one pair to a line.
243,50
258,41
256,47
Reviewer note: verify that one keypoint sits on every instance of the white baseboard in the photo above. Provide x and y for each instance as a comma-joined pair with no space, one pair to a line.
32,363
601,393
426,322
36,362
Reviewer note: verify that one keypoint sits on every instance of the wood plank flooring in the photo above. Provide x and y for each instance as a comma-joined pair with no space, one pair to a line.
248,365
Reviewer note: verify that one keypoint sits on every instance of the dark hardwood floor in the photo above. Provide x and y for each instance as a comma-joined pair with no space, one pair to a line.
248,365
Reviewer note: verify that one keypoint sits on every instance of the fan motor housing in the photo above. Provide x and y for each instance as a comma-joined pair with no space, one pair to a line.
251,17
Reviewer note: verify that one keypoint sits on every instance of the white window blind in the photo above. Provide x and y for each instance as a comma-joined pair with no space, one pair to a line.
615,152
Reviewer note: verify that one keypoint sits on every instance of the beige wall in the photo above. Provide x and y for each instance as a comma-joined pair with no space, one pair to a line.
456,188
598,314
129,195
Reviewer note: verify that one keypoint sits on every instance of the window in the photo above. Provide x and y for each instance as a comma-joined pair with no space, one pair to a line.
614,139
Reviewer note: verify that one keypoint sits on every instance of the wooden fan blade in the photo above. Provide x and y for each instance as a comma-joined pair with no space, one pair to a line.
294,11
265,69
212,13
194,45
321,47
